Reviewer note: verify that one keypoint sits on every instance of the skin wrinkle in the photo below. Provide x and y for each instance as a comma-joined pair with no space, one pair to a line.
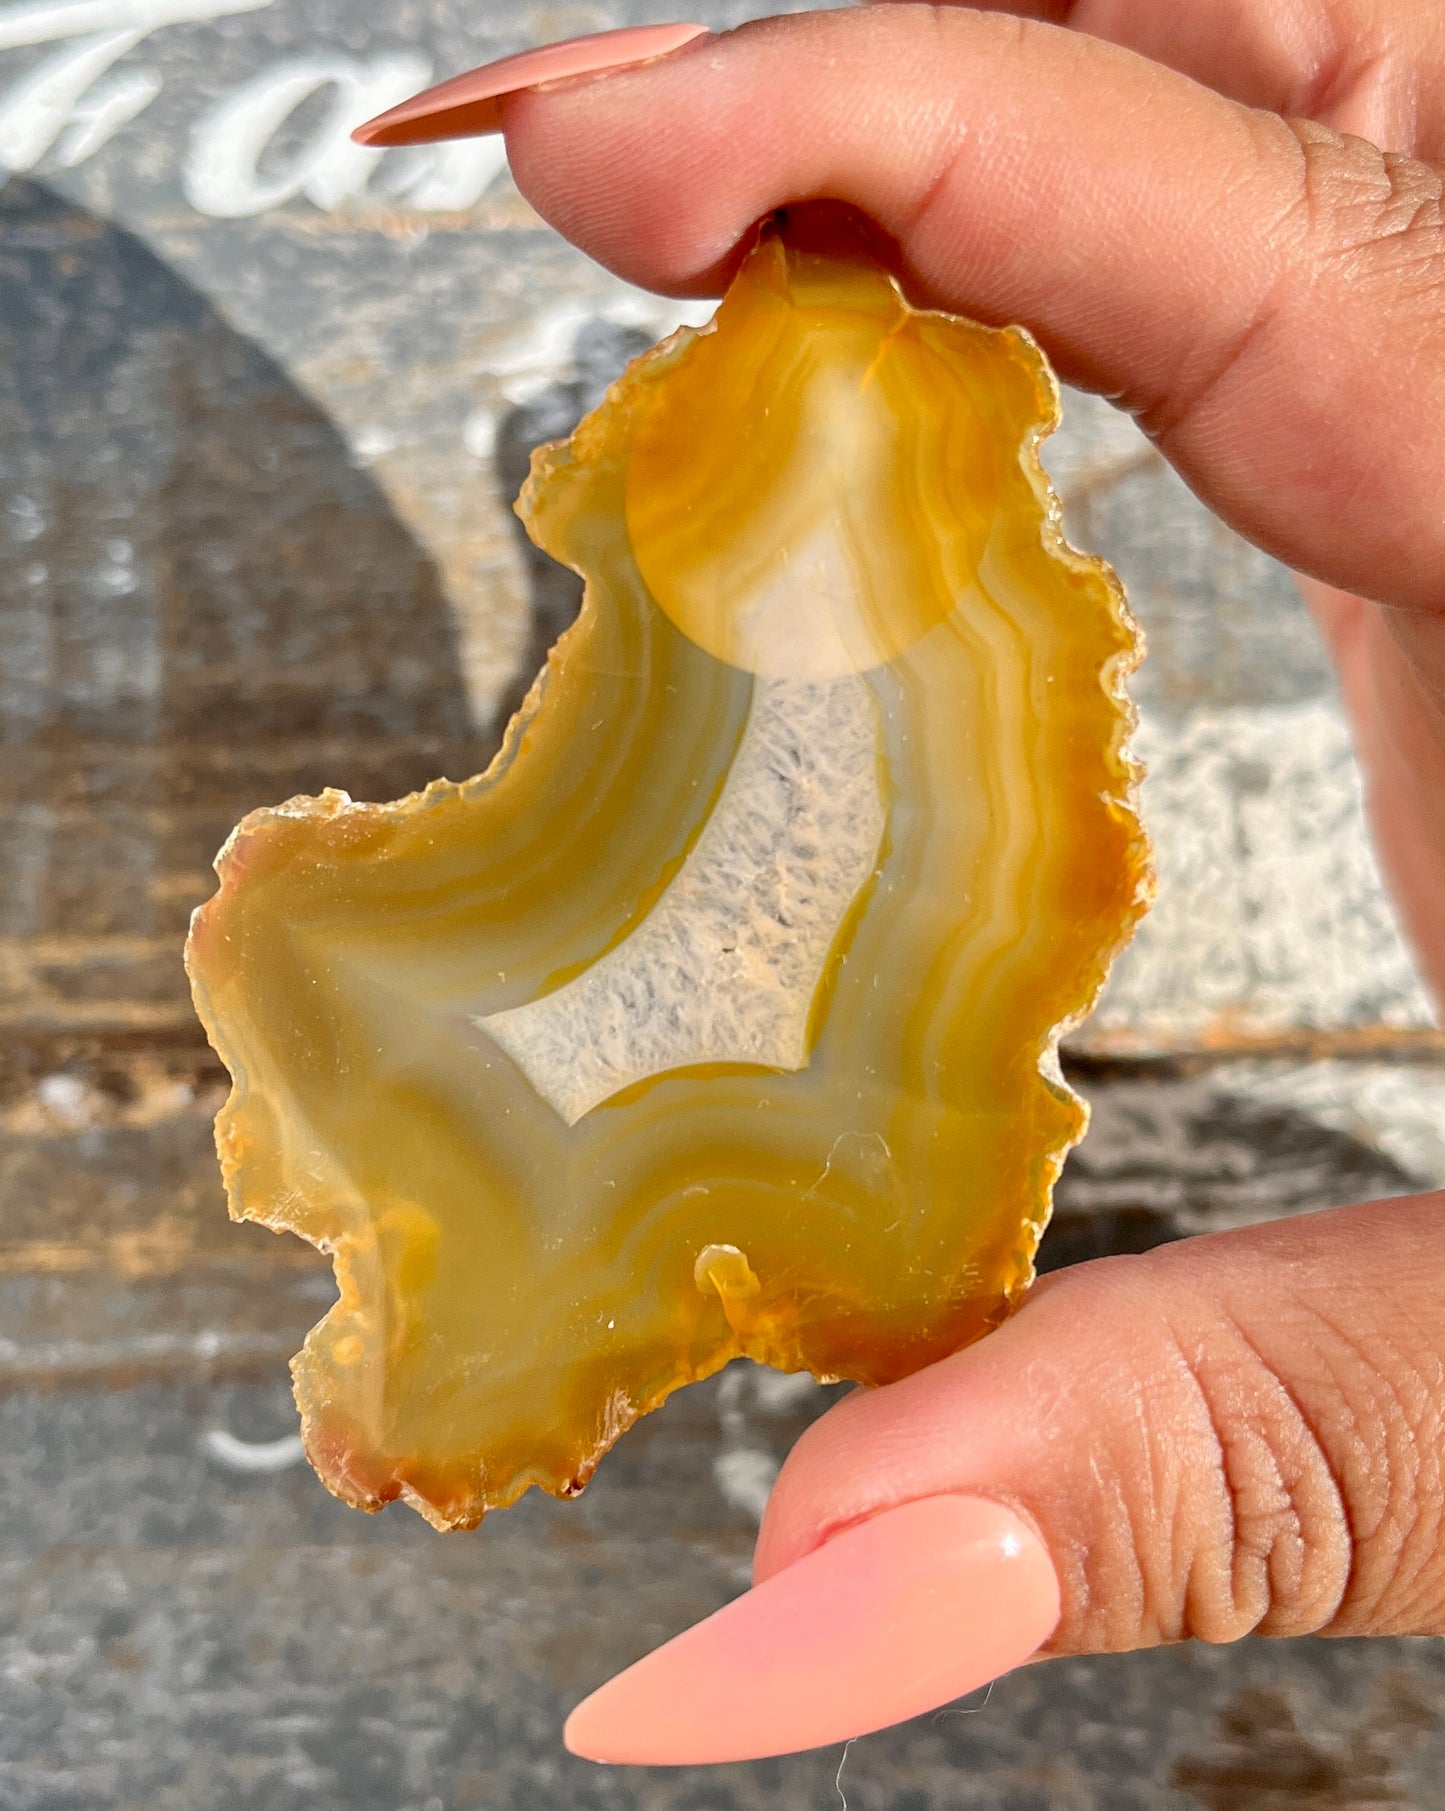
1363,91
1380,1528
1110,1589
1214,1530
1178,409
939,182
1133,1591
1347,479
1416,191
1314,1516
1171,1505
1133,1555
1415,1531
1419,1608
1344,64
1338,73
932,250
1112,1602
1376,80
1268,1531
1112,1597
1366,77
1326,63
1158,1498
1348,179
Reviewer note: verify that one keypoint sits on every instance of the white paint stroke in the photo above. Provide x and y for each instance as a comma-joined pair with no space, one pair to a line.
745,1468
49,21
541,351
65,94
38,108
65,104
222,176
745,1476
97,116
253,1456
726,965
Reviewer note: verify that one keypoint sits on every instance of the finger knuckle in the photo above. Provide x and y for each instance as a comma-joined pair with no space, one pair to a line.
1273,1551
1219,1509
1368,215
1326,1478
1257,1460
1343,233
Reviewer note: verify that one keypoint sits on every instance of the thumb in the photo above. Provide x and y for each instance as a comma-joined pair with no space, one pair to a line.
1238,1434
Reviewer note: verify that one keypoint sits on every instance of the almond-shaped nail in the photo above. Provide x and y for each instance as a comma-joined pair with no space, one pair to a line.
471,104
889,1619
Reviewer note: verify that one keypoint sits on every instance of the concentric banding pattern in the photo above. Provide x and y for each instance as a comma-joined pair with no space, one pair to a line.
518,1237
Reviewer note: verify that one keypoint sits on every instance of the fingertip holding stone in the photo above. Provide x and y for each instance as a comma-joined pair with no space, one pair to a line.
470,105
889,1619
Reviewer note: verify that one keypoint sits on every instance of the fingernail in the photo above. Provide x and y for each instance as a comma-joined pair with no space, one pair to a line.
470,104
887,1620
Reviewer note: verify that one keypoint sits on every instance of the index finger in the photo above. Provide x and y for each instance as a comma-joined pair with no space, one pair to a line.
1264,297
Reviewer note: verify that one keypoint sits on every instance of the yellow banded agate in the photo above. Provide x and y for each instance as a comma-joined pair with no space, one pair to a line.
719,1015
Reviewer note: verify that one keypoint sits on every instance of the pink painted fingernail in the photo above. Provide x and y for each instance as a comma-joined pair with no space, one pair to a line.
470,105
883,1622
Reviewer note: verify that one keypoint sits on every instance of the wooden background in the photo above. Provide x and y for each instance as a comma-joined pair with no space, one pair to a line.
258,426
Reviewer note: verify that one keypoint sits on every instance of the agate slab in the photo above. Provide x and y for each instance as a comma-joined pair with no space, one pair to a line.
719,1016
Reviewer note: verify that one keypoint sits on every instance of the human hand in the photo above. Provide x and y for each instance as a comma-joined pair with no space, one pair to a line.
1241,1433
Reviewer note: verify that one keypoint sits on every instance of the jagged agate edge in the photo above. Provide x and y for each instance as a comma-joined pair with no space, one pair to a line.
1114,679
333,803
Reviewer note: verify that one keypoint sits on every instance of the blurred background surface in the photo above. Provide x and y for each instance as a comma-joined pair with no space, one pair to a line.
264,400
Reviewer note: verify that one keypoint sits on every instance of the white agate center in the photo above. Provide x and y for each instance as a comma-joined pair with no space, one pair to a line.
727,965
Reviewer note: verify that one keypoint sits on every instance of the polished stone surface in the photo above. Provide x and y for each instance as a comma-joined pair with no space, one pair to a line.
720,1016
